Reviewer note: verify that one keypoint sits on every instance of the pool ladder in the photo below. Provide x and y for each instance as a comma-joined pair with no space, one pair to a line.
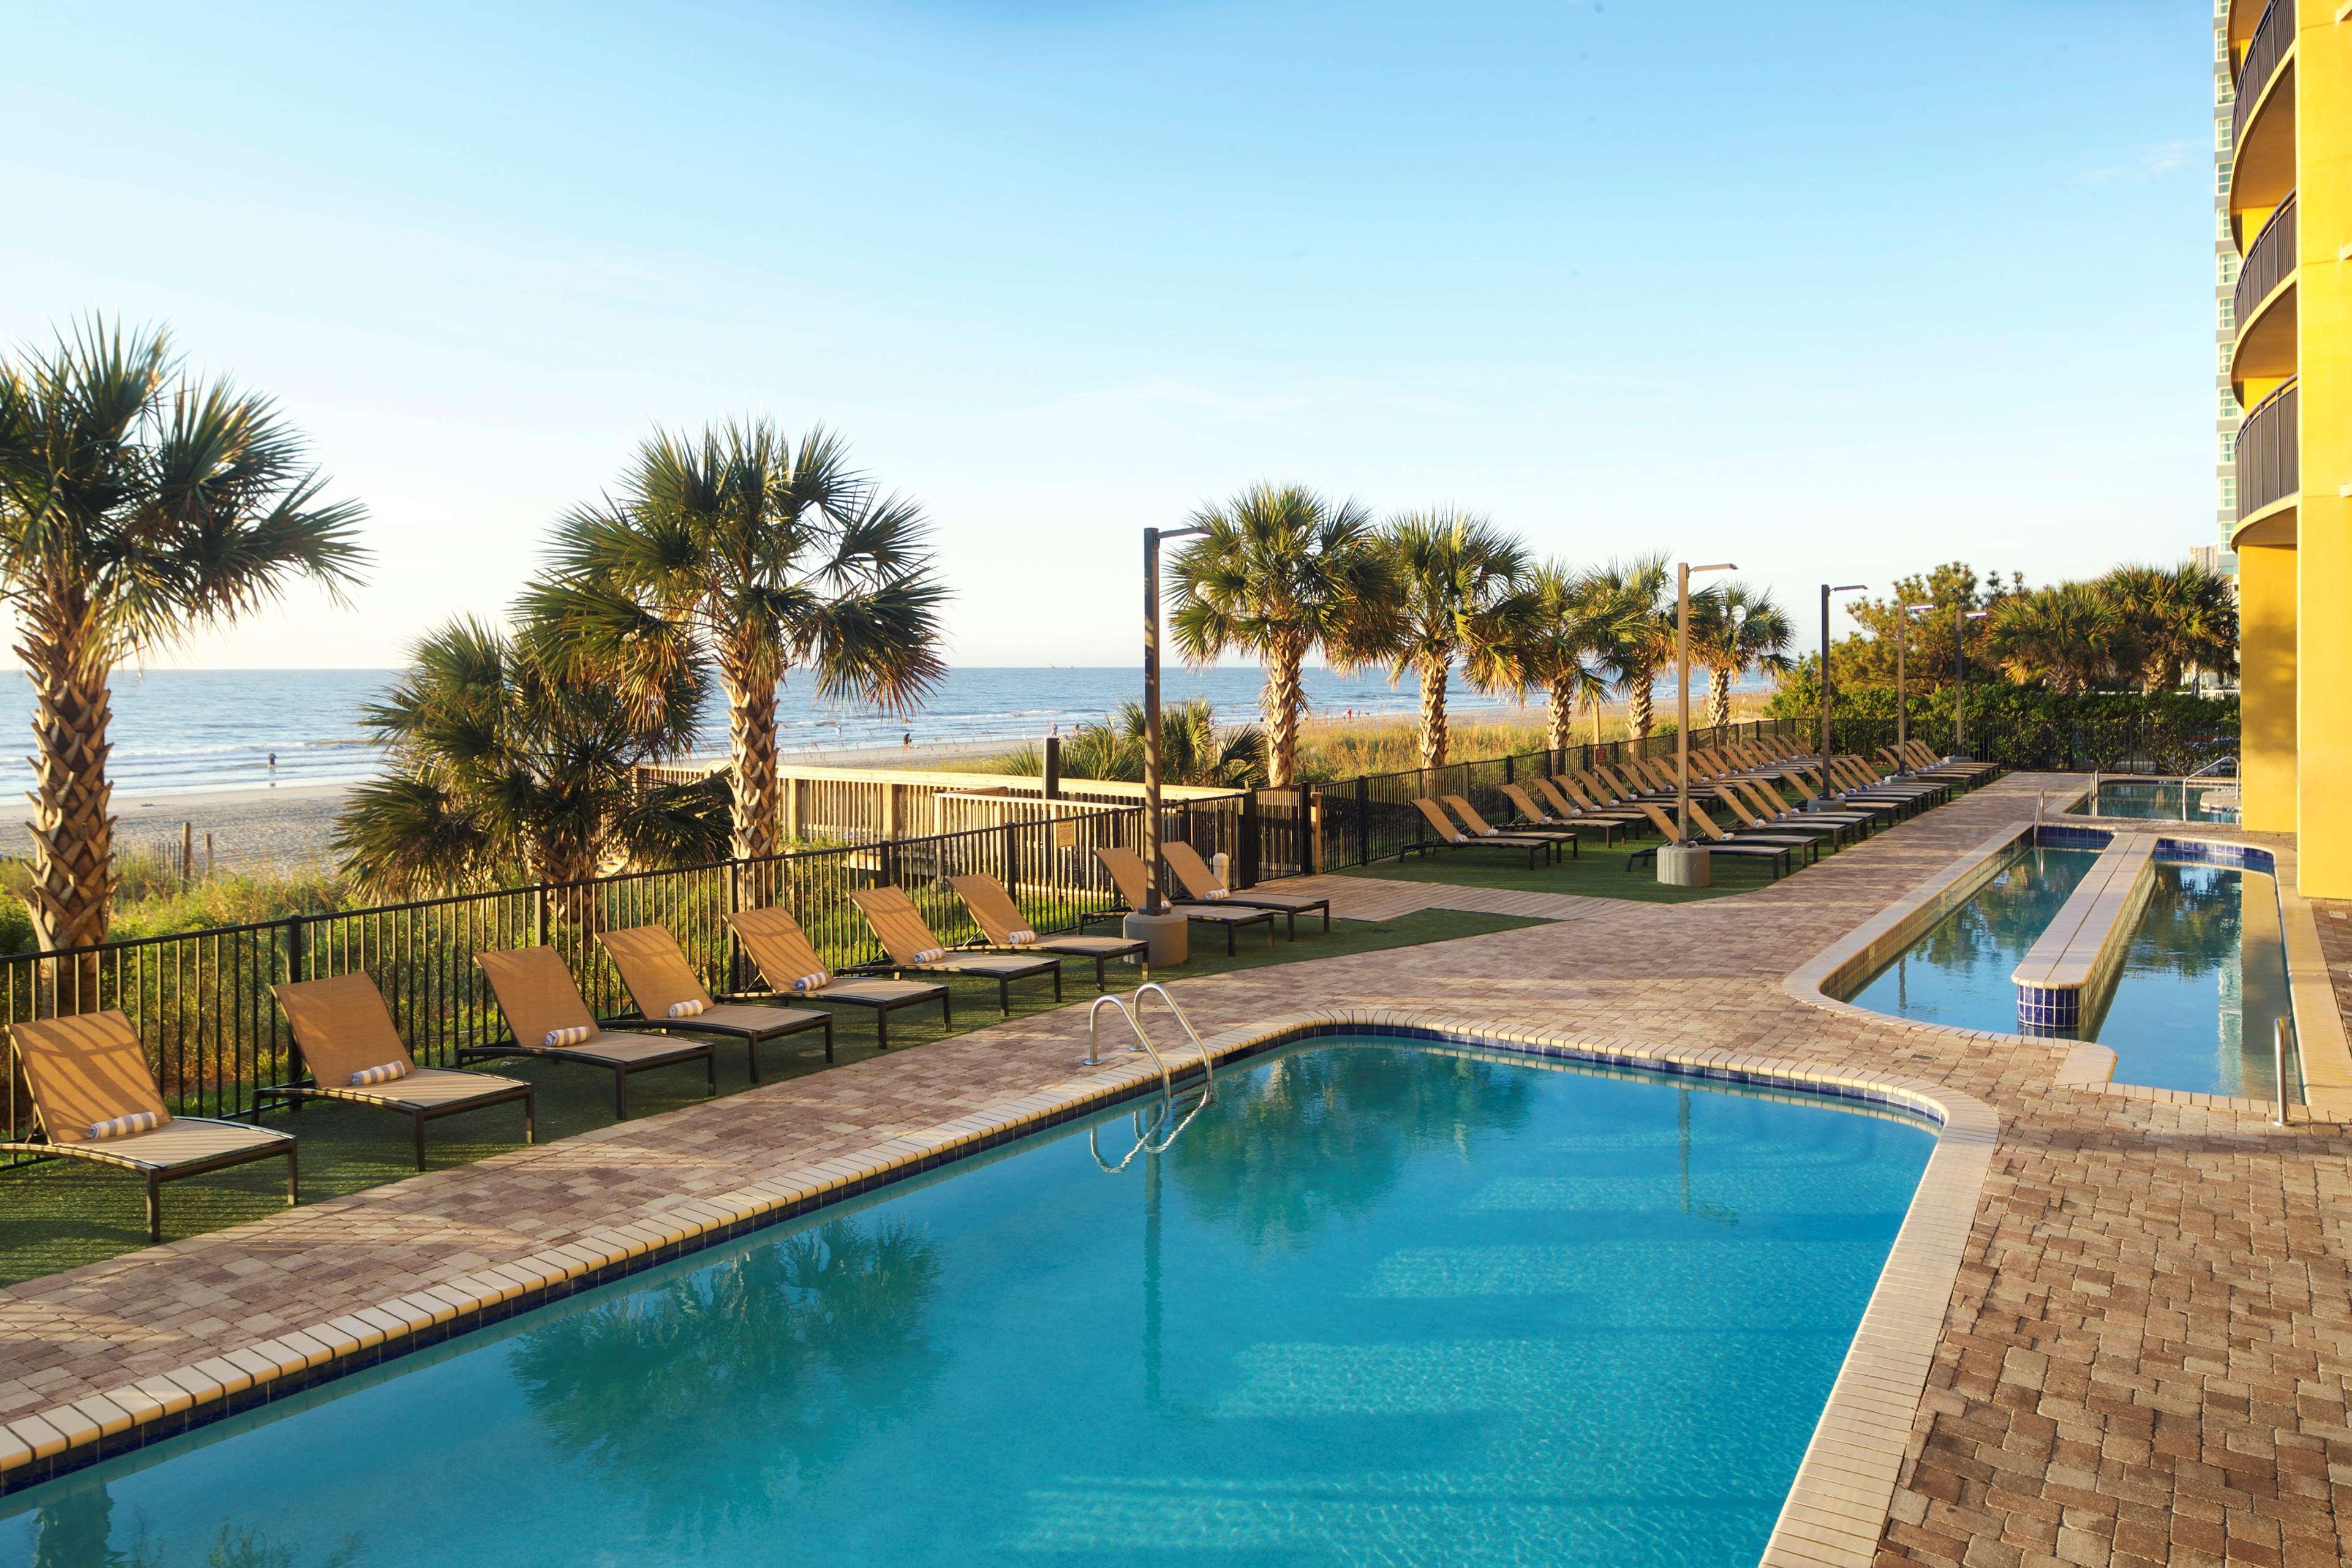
1145,1136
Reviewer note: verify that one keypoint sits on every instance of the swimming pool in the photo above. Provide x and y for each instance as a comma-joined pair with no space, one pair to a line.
2191,1008
1384,1302
2210,799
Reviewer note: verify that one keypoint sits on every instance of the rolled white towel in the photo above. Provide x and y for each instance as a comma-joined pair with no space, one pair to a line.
384,1073
576,1034
687,1009
929,955
1214,894
1020,938
126,1126
816,982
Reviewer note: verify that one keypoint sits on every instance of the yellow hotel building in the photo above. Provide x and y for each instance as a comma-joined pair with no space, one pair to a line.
2290,211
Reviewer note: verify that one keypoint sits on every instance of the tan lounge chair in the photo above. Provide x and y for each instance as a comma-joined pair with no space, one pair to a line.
1193,874
910,944
1449,836
791,963
663,986
1478,825
1778,855
89,1069
1133,879
343,1029
1001,920
535,991
1570,798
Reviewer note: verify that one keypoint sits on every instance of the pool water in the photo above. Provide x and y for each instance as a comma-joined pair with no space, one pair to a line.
2191,1005
1383,1302
2161,799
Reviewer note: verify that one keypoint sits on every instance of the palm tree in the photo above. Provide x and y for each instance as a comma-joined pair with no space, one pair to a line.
2178,618
739,551
2065,638
1646,635
1736,629
136,505
1462,593
1279,573
504,762
1573,631
1193,748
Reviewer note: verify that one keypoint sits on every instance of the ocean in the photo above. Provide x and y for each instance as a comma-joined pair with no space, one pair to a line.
193,732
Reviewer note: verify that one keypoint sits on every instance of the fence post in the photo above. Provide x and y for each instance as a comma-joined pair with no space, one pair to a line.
1363,820
539,912
1053,767
1013,859
1308,850
1249,863
1510,774
734,906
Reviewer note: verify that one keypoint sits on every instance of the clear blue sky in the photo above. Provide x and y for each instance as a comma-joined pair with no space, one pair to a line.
1833,289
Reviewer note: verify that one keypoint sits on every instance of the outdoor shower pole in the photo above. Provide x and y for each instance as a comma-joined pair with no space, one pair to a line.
1683,571
1961,687
1152,538
1903,614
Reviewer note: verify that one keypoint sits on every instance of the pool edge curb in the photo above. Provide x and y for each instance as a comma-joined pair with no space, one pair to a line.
1854,1456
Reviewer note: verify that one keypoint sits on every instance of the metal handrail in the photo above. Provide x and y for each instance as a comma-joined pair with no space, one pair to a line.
1144,1135
2264,49
2269,261
1208,1068
2230,761
1142,1141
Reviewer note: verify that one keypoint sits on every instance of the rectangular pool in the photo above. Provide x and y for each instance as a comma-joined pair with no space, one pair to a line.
2191,1008
2161,799
1385,1301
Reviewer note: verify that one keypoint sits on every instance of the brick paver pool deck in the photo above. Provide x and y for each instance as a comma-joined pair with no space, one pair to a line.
2143,1359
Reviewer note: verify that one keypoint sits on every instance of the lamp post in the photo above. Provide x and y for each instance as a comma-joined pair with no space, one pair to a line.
1903,614
1683,571
1961,685
1821,798
1152,907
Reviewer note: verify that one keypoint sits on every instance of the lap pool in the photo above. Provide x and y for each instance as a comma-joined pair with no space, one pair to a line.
1385,1301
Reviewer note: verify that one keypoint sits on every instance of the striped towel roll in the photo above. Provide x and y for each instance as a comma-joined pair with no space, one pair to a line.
1020,938
687,1009
559,1039
930,955
816,982
126,1126
382,1074
1214,894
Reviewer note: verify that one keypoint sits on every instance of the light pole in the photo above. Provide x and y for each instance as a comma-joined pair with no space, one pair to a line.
1903,614
1152,538
1822,798
1683,571
1961,685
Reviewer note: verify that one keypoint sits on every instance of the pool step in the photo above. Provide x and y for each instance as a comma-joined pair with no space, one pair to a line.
2060,983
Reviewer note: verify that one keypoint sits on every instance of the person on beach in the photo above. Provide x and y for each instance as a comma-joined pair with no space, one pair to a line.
906,742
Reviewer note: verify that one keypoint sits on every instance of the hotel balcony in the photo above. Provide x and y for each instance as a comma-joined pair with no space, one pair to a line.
2264,309
2269,471
2262,171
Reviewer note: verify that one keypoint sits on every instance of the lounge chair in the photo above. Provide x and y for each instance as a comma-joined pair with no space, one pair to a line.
910,944
1199,883
1478,825
785,955
1449,836
1569,796
1769,810
95,1098
1808,841
1133,879
663,986
999,916
344,1037
1534,815
547,1016
1778,855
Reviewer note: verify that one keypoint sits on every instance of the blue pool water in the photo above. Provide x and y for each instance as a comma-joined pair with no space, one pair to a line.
1382,1303
2161,799
2192,1007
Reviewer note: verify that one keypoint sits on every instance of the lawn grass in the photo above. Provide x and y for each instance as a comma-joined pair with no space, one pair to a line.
65,1212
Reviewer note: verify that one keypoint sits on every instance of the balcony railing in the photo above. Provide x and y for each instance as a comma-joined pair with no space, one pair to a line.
2268,261
2273,34
2269,452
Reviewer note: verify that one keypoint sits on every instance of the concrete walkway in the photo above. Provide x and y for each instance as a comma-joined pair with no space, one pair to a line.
2143,1361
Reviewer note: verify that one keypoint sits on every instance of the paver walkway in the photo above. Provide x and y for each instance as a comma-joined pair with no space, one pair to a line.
1381,898
2144,1360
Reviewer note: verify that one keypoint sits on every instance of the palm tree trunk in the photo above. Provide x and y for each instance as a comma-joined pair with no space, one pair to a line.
1560,715
750,683
72,890
1434,672
1281,703
1641,704
1719,697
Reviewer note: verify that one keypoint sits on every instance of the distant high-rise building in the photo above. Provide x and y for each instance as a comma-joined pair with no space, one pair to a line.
2227,414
